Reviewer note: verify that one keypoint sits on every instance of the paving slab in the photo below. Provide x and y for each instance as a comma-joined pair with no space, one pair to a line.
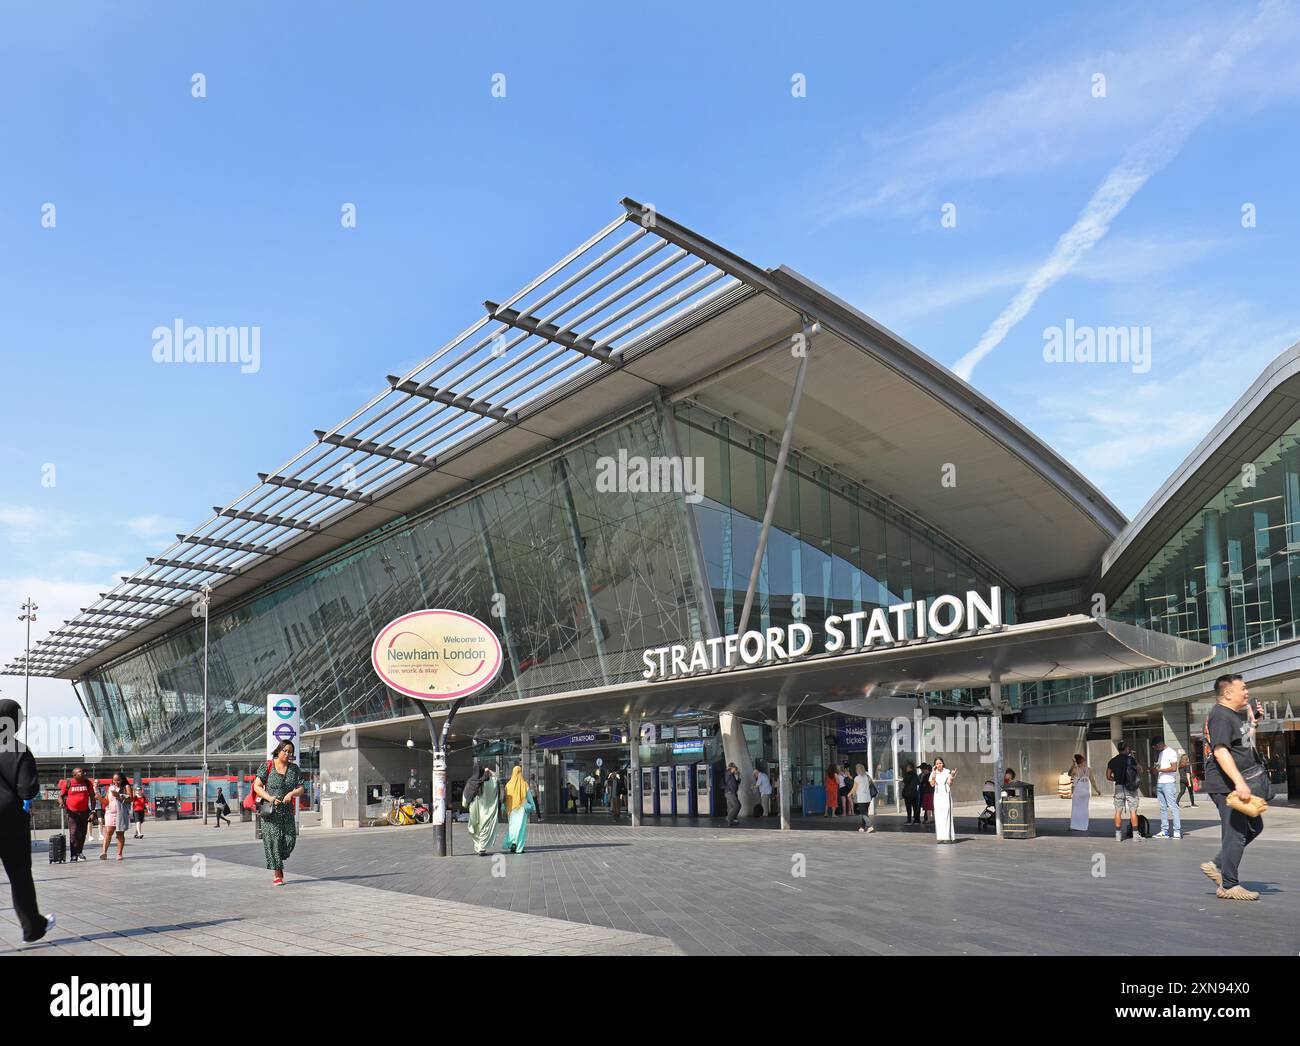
596,886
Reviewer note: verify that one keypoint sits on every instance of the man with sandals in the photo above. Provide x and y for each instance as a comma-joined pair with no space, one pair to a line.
1237,780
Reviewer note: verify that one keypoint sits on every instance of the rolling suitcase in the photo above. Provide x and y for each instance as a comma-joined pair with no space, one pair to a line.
58,848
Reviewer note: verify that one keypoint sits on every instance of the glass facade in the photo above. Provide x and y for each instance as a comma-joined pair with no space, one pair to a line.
1232,573
835,547
1230,577
578,582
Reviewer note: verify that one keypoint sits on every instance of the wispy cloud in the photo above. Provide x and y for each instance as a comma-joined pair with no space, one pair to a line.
26,523
56,601
912,299
1127,433
1123,182
20,517
986,127
1118,259
79,557
155,526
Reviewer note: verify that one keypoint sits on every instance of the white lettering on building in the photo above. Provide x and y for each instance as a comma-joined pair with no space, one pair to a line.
943,616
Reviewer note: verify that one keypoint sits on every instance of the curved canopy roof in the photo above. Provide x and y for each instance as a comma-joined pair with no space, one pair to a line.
643,308
866,682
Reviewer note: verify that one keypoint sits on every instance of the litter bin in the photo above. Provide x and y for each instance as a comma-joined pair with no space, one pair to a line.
173,812
1018,811
814,800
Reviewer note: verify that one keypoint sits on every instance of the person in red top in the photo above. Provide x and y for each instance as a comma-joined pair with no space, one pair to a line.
76,797
138,806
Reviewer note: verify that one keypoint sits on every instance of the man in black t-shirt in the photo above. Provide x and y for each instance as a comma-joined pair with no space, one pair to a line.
1123,770
1226,753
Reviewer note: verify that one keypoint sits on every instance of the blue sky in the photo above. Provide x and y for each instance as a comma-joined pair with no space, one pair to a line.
1117,210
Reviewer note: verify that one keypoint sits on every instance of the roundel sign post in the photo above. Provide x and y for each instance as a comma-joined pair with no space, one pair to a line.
283,721
443,656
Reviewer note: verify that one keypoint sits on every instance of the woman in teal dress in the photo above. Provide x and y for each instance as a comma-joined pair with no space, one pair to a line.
483,812
279,784
519,803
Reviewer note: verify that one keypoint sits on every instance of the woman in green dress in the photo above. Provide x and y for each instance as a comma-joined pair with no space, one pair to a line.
483,812
279,784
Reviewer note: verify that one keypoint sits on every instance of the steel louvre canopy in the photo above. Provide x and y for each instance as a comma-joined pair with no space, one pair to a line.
634,312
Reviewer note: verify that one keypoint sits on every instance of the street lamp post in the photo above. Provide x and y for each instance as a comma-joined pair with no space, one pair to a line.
29,615
204,601
440,812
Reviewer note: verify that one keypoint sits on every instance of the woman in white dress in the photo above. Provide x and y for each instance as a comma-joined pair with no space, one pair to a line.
1085,785
941,779
117,814
861,795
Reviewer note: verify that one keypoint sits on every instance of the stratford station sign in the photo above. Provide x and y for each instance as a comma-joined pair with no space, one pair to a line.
940,618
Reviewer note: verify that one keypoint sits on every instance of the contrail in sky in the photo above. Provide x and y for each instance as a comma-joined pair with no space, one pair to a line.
1120,186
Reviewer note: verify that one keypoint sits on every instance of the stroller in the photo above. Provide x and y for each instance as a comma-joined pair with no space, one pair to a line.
988,820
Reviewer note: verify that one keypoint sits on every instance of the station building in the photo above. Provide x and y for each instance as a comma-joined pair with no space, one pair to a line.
657,443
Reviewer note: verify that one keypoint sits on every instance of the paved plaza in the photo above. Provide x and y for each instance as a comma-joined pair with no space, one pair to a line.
589,886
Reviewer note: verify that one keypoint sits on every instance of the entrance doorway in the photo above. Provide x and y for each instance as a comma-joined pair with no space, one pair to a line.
574,782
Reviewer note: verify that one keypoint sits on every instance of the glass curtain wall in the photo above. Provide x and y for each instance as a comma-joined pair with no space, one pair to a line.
835,547
1230,577
1232,573
576,579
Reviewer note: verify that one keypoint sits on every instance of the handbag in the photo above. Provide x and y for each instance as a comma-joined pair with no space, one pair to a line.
265,809
1257,779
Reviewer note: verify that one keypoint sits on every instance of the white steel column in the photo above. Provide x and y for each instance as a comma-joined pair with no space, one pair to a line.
783,754
634,761
526,761
995,696
898,788
736,750
809,329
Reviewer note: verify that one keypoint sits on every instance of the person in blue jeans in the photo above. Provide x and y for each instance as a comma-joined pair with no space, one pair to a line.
1167,788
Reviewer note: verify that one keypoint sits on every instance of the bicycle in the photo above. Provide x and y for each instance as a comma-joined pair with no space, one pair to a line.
405,812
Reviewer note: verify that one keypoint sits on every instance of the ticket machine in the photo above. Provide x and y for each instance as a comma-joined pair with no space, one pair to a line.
684,788
705,798
667,793
649,792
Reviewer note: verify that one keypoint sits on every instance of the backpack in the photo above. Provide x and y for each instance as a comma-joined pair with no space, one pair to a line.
1143,830
1131,776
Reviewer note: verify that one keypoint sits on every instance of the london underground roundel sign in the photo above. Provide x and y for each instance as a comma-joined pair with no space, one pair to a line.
436,655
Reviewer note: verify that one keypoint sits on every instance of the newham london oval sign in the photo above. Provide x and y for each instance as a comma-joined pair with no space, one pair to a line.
436,655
